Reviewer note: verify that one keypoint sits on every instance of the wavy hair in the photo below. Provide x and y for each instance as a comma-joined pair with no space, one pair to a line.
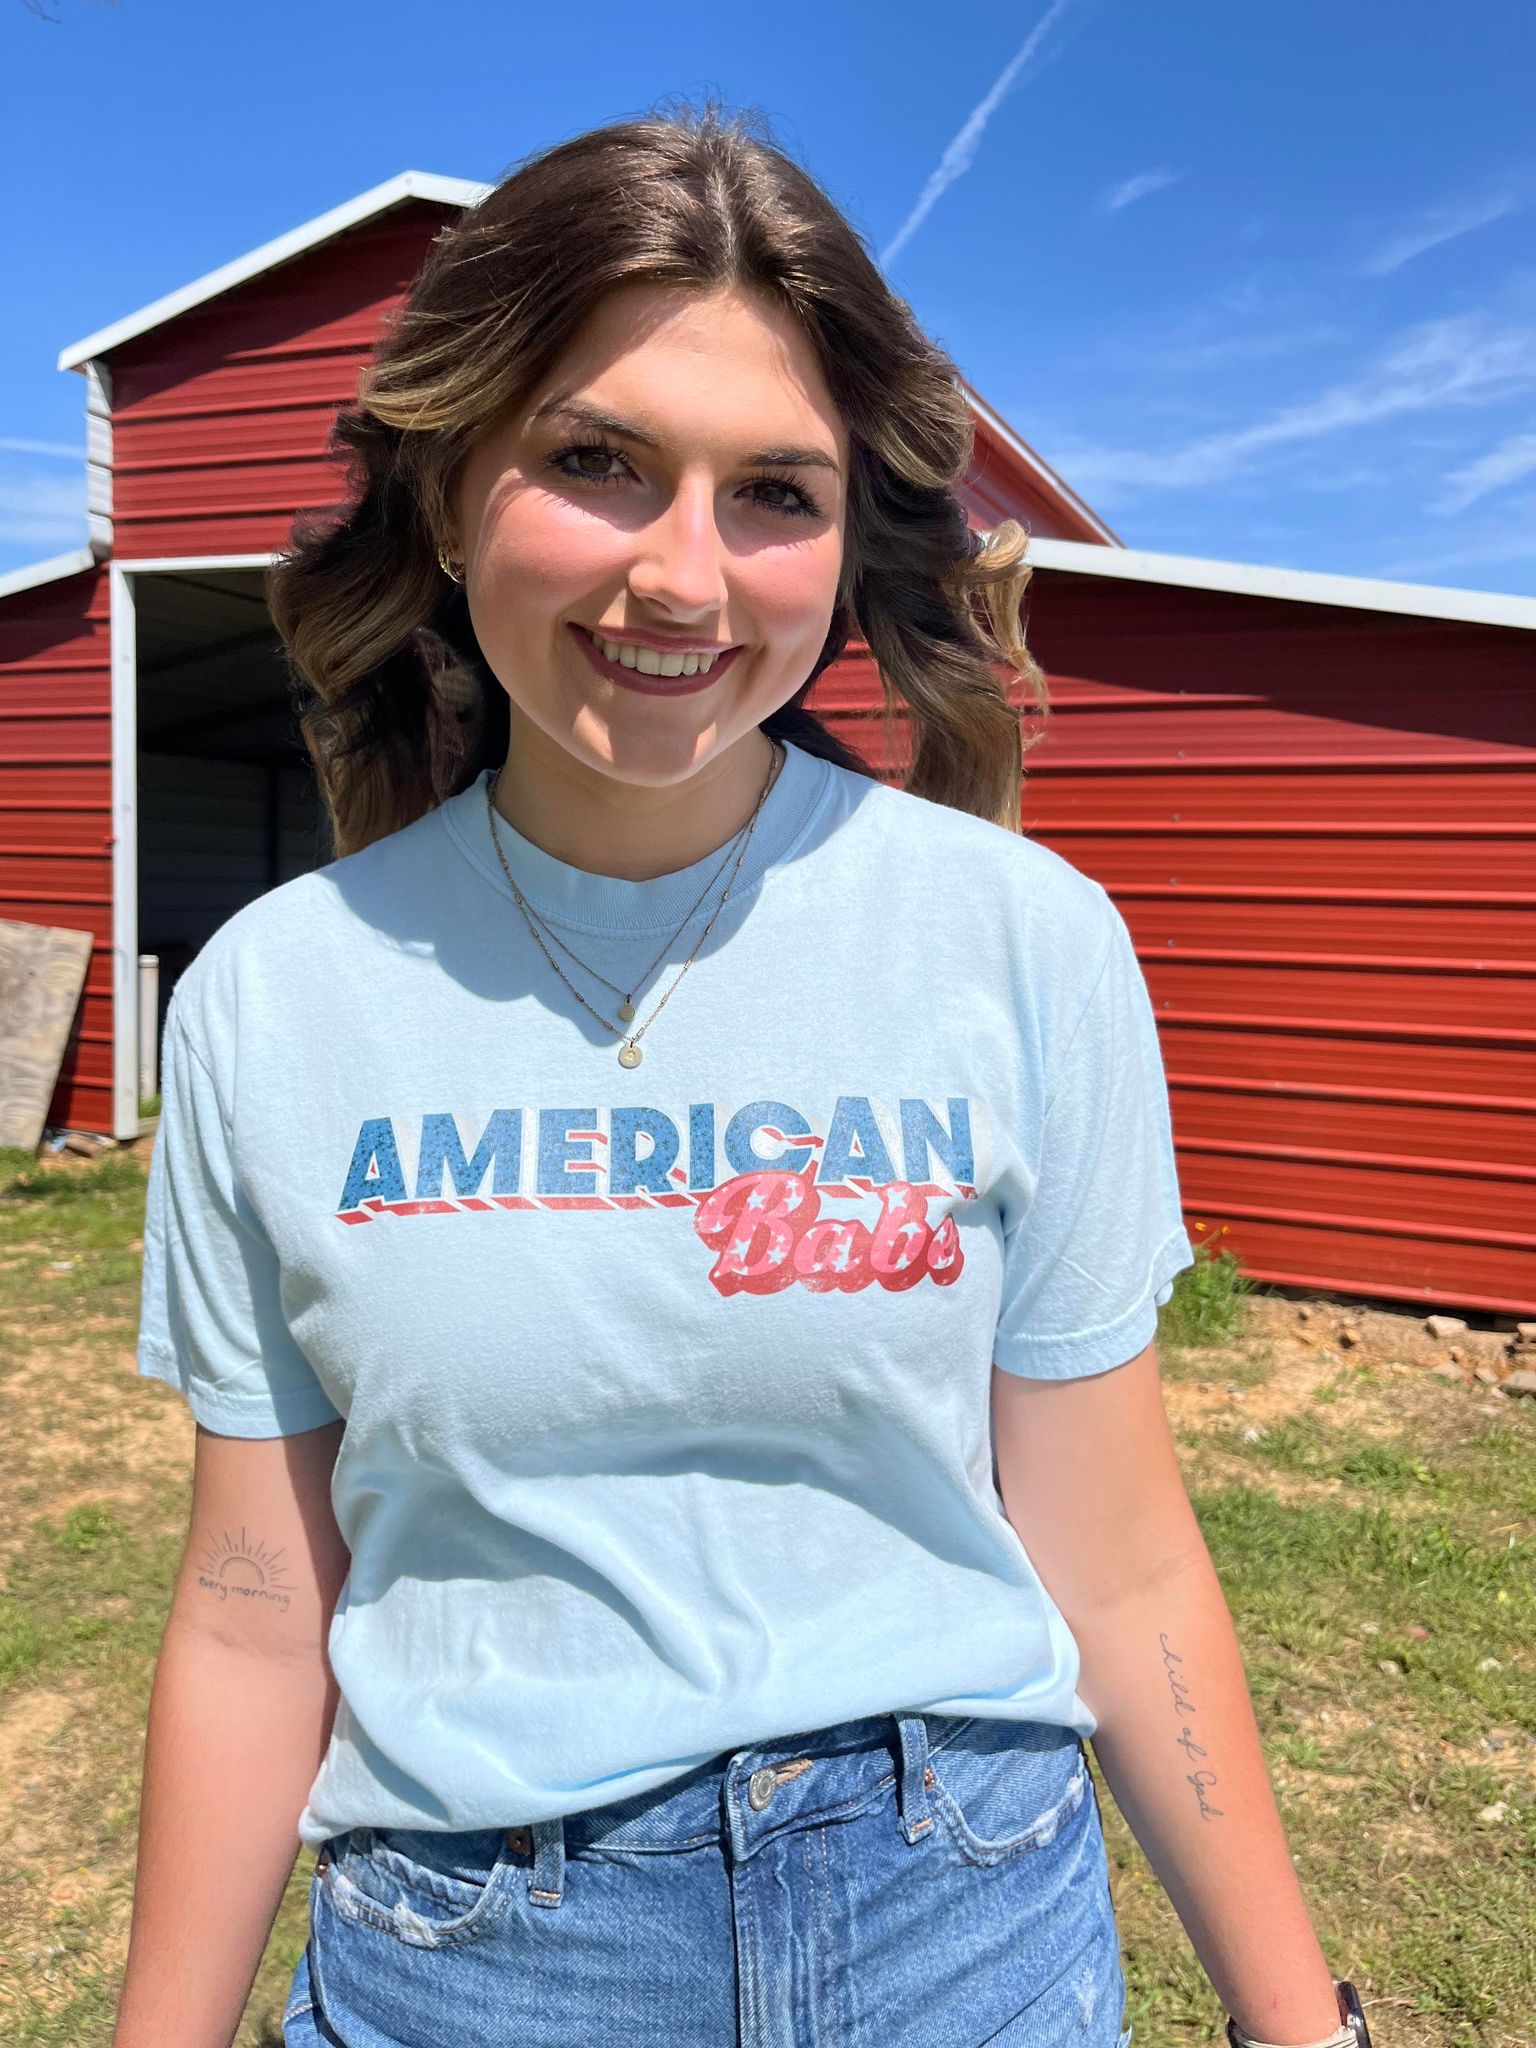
396,703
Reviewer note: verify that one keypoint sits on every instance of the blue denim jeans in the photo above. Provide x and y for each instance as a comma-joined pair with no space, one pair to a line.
899,1881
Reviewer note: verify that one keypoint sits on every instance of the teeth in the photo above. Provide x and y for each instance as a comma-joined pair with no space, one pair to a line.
651,663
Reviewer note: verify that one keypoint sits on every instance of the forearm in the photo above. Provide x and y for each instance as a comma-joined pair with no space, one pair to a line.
232,1745
1180,1750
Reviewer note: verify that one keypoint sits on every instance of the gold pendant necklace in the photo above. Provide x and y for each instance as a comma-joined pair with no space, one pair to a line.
630,1054
627,1004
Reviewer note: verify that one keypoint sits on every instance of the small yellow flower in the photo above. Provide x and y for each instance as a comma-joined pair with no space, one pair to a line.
1223,1230
1199,1226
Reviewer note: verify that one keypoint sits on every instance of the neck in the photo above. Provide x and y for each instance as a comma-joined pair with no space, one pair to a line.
630,831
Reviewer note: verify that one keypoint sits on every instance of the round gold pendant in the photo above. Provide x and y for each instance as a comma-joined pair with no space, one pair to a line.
629,1055
626,1011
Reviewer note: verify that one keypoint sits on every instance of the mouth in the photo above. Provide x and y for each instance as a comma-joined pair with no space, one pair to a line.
653,680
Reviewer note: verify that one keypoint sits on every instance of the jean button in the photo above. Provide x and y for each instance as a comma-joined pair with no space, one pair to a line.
761,1787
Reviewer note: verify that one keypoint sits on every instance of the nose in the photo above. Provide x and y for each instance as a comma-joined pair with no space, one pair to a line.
679,567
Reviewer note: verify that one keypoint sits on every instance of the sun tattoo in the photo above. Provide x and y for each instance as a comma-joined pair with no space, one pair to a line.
245,1571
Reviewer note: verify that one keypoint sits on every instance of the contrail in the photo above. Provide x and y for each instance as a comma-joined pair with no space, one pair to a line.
957,159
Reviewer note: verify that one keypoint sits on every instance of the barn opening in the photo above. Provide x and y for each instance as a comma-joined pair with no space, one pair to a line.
227,805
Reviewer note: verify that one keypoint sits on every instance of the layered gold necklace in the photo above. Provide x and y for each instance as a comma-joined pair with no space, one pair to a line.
630,1054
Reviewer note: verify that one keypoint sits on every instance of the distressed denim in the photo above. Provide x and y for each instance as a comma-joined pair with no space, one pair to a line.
898,1881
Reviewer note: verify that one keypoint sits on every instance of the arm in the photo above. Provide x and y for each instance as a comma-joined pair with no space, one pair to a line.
1090,1480
239,1718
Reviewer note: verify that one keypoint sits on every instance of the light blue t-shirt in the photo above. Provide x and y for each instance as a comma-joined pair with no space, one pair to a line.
667,1389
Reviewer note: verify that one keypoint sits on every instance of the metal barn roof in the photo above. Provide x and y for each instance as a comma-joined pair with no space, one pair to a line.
324,227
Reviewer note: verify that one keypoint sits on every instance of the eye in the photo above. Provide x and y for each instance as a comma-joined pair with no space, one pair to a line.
577,449
800,505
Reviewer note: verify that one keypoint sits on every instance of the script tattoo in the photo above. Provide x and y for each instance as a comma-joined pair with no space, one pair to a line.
1200,1779
245,1571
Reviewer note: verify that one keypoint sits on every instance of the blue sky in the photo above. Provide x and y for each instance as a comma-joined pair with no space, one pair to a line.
1259,280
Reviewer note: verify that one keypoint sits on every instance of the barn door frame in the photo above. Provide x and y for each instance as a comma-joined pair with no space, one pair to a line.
126,1024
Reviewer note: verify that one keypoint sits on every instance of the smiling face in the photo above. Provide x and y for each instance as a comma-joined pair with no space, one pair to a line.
674,489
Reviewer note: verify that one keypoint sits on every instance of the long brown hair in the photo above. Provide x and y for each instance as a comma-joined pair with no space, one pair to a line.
397,705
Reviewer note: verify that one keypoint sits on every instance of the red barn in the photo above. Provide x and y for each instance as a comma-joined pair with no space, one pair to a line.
1318,840
1312,797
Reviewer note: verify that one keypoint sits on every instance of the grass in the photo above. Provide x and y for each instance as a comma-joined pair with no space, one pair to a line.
1373,1530
1374,1535
1210,1299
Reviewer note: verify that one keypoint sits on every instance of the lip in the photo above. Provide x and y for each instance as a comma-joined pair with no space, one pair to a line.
651,686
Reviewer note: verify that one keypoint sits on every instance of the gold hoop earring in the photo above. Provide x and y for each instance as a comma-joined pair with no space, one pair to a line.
447,567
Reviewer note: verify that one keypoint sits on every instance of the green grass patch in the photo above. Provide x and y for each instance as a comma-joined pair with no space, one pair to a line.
1209,1300
1387,1522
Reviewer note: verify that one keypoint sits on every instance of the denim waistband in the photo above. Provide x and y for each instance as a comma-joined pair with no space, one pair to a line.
762,1791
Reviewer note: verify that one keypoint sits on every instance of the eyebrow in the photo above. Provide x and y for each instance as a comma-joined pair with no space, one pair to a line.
581,414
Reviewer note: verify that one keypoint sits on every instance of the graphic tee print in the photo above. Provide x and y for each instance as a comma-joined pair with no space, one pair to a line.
790,1219
666,1391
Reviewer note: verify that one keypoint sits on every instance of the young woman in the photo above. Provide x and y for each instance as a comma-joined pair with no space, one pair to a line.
662,1236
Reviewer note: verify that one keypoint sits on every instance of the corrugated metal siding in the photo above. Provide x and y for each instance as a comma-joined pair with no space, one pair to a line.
1320,825
214,833
220,419
56,804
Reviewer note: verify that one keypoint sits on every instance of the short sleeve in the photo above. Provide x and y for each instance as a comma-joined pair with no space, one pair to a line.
210,1318
1094,1251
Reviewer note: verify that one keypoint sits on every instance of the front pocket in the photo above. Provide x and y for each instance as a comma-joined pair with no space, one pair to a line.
427,1888
1005,1788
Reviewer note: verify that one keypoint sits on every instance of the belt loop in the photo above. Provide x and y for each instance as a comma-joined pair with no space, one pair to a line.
916,1820
547,1884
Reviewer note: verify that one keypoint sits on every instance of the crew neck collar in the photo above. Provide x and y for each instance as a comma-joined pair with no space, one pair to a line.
609,903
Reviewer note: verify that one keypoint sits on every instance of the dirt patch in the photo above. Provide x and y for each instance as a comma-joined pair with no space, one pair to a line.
1344,1355
27,1726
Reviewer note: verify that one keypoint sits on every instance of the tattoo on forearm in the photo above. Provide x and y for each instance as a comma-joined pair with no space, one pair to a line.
1183,1704
245,1571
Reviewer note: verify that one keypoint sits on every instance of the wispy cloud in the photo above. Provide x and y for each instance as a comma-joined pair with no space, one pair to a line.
961,153
1453,362
44,512
1436,225
1511,460
1260,314
1186,353
1140,187
66,451
1368,476
1512,539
